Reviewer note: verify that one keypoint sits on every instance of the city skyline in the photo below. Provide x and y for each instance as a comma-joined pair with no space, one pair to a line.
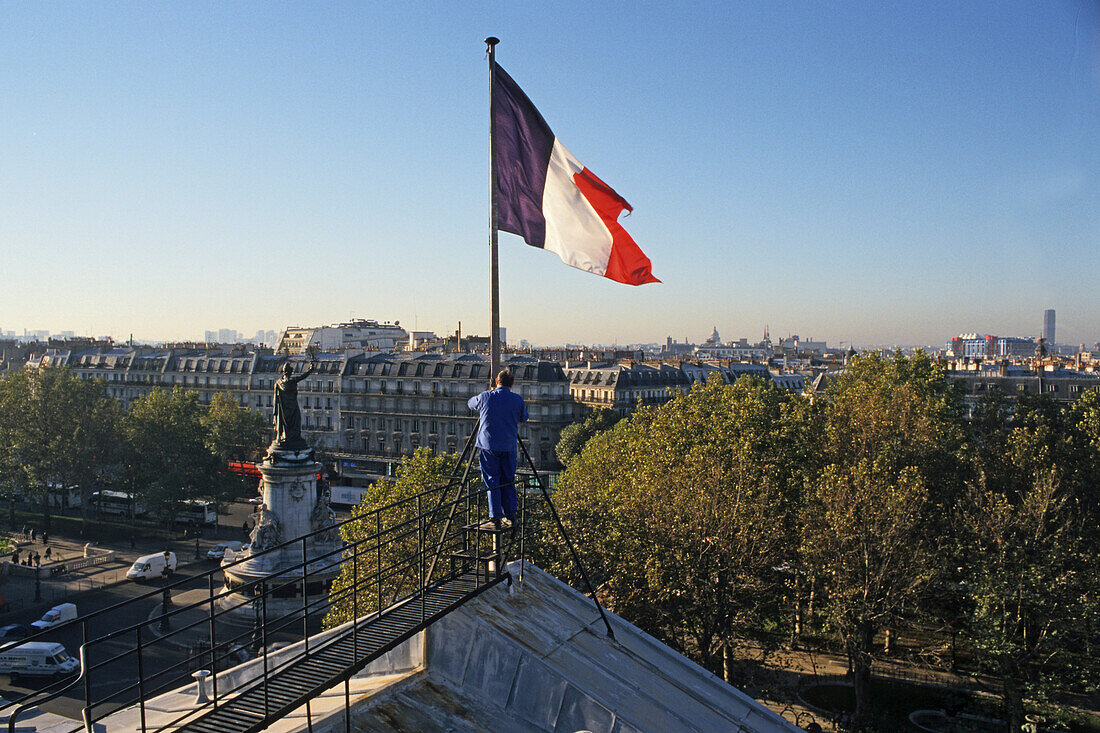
866,174
271,336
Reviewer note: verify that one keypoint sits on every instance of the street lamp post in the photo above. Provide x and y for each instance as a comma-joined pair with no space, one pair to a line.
165,606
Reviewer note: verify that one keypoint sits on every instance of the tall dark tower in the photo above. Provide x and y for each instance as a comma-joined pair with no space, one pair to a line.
1048,327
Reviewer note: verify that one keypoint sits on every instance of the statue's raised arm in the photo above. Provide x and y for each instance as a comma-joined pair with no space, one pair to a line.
306,373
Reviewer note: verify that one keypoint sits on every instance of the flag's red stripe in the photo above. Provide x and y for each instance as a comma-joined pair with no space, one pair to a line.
627,263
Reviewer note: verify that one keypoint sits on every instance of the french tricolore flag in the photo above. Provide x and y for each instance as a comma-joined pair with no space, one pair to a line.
547,197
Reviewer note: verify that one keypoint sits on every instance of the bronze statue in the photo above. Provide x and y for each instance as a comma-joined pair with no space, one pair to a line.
287,417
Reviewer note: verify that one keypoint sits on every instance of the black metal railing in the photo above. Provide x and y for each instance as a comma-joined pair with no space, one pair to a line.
400,567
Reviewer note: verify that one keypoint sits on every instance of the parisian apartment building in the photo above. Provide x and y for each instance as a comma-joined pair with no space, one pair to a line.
368,408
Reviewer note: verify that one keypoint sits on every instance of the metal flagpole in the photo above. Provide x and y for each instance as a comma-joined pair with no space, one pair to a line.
494,283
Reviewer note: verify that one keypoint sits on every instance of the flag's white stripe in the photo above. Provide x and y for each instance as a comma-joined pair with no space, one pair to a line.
574,230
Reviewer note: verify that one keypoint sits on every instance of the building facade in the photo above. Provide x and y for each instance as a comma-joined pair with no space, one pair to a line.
356,334
378,407
1012,380
623,388
979,346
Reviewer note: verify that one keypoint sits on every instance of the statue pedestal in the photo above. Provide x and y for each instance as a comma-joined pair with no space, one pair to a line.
292,509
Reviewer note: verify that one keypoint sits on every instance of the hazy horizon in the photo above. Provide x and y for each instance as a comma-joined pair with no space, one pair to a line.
513,340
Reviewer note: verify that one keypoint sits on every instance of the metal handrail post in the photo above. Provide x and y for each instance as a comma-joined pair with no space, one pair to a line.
355,600
213,646
568,541
141,680
522,527
263,638
347,703
378,553
420,553
87,712
305,602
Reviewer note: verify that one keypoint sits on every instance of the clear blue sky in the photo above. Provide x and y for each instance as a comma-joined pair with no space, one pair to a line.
867,172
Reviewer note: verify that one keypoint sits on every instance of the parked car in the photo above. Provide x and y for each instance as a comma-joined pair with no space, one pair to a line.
55,616
217,552
36,659
157,565
13,631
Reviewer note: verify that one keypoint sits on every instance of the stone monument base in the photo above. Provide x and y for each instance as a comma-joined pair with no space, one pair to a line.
293,508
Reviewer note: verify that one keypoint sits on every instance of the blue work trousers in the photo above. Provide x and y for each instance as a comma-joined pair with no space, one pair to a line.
498,471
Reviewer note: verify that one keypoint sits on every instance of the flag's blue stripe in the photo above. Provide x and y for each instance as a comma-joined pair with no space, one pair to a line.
523,146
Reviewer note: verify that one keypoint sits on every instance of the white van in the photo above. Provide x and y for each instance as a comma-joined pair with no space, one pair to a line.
55,617
218,551
157,565
37,659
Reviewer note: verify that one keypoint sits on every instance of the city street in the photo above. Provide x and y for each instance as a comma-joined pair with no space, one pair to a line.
106,591
117,675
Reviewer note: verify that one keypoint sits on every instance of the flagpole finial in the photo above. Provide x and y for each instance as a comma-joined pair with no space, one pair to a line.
491,41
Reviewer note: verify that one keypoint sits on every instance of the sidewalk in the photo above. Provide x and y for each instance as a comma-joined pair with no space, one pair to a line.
185,627
18,591
189,631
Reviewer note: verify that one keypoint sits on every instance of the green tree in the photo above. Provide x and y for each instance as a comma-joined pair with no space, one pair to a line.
573,437
232,433
1030,530
888,462
684,514
418,472
14,457
57,430
167,456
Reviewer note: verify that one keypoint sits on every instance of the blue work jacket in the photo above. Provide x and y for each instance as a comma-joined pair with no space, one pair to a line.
501,410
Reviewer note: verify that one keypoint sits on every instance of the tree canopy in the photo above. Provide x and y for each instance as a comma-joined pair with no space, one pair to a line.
418,472
684,513
573,437
56,430
167,458
1028,520
887,460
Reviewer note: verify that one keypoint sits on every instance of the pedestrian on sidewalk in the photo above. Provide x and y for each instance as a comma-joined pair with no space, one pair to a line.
45,537
15,556
49,551
37,560
34,534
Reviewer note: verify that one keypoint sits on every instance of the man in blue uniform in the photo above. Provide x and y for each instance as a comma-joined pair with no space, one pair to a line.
501,410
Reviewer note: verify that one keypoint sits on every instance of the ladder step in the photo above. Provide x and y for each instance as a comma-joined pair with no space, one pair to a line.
475,556
253,706
486,526
227,719
207,725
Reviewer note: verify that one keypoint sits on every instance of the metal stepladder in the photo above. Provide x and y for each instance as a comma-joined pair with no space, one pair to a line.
503,539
